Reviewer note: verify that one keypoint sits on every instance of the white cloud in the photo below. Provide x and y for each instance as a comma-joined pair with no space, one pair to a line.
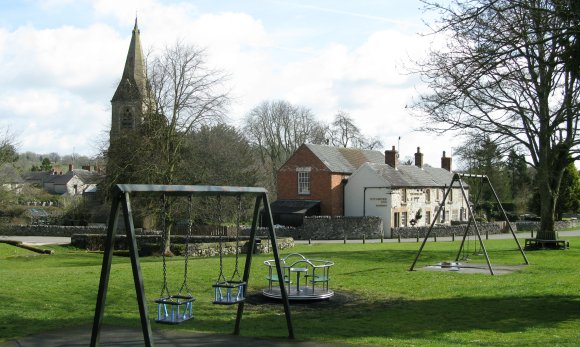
30,103
65,57
63,78
53,120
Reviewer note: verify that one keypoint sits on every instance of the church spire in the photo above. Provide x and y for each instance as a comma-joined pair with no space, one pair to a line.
130,99
134,76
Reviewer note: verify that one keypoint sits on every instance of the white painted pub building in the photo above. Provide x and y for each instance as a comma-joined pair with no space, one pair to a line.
404,195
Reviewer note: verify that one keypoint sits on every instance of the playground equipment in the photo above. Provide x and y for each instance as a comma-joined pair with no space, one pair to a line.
456,266
229,292
175,308
316,275
121,201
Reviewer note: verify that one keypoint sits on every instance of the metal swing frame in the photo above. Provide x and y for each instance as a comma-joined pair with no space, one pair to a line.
471,219
121,200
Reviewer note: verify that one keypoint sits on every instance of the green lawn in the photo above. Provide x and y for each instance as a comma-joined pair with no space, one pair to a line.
378,300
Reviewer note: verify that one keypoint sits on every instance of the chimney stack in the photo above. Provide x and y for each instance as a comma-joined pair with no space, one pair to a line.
70,167
392,158
446,162
419,158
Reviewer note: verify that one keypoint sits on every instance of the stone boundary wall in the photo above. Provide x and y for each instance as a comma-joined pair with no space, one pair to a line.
49,230
558,225
198,246
450,230
490,228
335,228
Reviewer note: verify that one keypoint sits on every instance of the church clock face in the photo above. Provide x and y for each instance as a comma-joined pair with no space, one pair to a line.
127,119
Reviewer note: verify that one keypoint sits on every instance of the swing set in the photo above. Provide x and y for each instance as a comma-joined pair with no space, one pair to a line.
177,308
457,178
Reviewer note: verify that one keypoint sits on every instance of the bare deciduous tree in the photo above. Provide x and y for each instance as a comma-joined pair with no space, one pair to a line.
187,95
343,132
504,72
276,129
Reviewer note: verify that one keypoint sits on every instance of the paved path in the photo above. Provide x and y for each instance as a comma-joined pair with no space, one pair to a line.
38,240
47,240
519,235
119,336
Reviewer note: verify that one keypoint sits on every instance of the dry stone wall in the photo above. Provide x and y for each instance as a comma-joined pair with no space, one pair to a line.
449,230
198,246
335,228
49,230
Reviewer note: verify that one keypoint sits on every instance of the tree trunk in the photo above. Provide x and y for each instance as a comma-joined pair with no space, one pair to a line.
549,178
167,242
547,209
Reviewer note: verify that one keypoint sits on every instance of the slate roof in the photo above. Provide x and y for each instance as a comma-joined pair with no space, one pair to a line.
413,176
86,176
345,160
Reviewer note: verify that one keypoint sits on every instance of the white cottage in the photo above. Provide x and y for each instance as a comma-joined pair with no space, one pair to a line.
404,195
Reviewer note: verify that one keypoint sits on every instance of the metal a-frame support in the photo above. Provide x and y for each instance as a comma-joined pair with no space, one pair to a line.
121,199
471,219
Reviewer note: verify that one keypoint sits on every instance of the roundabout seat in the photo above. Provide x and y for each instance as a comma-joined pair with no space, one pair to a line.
305,279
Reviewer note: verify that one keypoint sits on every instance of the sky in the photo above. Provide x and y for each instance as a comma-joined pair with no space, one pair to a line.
61,60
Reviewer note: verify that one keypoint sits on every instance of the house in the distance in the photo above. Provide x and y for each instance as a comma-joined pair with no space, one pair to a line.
404,195
73,182
312,181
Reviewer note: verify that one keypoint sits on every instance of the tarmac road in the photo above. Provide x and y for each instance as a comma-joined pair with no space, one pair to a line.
51,240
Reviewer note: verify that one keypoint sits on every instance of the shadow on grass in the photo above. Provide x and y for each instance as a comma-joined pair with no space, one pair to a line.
346,317
407,319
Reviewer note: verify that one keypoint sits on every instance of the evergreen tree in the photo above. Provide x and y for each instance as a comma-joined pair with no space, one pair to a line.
569,199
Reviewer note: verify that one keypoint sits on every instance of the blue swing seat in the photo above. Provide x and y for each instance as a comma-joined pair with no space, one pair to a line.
174,309
229,292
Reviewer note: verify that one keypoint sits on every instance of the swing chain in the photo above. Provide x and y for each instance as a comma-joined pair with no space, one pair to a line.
186,256
236,274
221,277
165,288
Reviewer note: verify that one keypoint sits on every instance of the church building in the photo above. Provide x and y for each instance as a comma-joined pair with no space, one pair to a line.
130,99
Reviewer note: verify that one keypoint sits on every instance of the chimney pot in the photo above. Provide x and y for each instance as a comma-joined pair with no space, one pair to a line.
445,162
392,158
419,158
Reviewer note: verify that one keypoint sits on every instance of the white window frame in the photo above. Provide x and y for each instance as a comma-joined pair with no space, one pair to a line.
303,181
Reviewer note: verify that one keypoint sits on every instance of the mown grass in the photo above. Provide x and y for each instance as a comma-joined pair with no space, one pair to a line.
378,300
7,251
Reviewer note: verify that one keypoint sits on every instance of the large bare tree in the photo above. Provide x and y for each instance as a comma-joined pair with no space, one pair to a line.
505,72
276,129
343,132
187,95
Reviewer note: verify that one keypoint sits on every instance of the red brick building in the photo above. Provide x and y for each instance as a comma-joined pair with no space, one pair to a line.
316,174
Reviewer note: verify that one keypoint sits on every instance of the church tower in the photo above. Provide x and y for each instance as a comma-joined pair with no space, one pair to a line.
130,99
